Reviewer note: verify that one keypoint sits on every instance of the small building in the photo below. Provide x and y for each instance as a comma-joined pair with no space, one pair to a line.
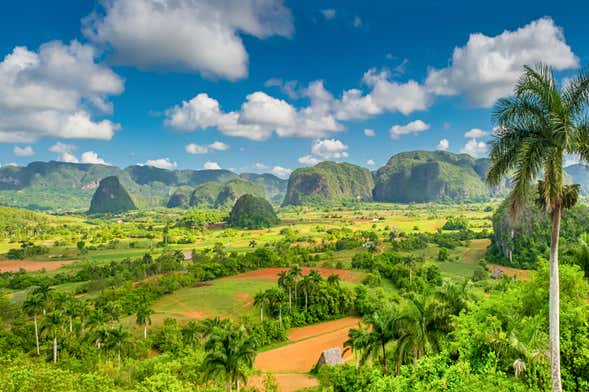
496,273
332,356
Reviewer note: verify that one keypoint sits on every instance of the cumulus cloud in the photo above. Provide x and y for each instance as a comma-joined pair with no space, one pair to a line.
329,14
443,145
69,158
211,166
369,132
329,149
259,116
162,163
486,68
186,35
280,171
475,133
385,96
260,166
60,148
475,148
48,93
26,151
414,127
370,162
203,149
92,157
309,160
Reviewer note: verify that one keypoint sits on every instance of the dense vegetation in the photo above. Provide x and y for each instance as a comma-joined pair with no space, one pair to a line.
329,182
223,195
110,198
252,212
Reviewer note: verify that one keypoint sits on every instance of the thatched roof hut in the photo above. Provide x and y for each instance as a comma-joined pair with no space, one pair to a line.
332,356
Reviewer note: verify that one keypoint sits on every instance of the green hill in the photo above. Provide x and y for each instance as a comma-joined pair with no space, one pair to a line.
110,197
329,182
180,198
424,176
274,187
223,195
252,212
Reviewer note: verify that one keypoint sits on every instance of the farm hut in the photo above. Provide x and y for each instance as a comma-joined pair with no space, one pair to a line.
332,356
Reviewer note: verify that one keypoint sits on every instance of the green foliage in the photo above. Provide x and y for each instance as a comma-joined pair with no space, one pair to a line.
252,212
327,183
110,198
423,176
223,195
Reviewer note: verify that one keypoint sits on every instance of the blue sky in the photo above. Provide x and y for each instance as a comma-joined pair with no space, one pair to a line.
266,85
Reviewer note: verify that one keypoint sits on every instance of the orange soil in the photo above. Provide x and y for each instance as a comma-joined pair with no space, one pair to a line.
507,271
16,265
272,273
195,314
287,382
319,329
302,355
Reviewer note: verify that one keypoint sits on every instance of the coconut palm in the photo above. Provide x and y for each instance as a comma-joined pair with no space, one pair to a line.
358,342
116,340
34,305
286,281
334,280
382,332
276,298
421,326
143,317
52,325
261,301
535,129
229,353
295,272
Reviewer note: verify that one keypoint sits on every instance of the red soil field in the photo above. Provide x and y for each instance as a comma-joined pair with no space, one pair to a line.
287,382
16,265
507,271
302,355
272,273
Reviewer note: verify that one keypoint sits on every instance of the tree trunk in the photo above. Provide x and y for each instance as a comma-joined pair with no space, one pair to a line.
555,302
238,385
289,299
36,334
54,348
144,331
71,325
280,314
384,359
306,300
261,313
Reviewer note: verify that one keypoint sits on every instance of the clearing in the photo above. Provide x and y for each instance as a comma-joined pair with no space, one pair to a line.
29,266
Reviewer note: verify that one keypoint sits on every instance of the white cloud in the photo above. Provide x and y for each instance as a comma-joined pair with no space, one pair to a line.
211,166
280,171
26,151
329,149
443,145
288,87
162,163
260,115
475,148
49,93
69,158
385,96
308,160
475,133
203,149
92,157
370,162
414,127
260,166
357,22
186,35
60,148
328,14
369,132
486,68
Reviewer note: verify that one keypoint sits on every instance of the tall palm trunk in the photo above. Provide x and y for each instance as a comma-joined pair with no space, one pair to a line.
554,308
384,359
54,348
145,331
290,299
36,334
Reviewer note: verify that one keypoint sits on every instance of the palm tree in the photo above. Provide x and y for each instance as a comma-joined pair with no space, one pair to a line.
285,280
382,332
144,317
359,343
421,326
229,353
275,298
295,272
33,305
535,129
261,300
53,324
334,280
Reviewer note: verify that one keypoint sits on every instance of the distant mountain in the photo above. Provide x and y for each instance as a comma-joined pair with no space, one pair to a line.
223,195
180,198
329,182
62,186
110,197
424,176
579,174
274,187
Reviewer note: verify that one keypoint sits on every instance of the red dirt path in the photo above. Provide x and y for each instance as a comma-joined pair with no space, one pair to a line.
16,265
272,273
